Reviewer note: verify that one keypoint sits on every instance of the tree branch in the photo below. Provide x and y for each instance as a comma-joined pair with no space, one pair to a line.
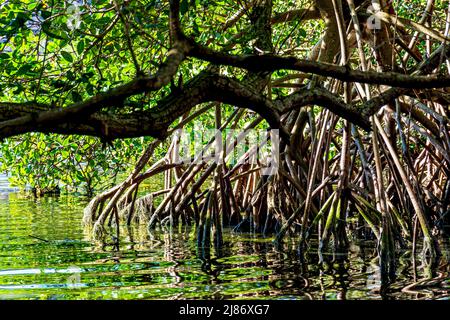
272,63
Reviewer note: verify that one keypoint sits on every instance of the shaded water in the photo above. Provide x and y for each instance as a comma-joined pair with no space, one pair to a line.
44,254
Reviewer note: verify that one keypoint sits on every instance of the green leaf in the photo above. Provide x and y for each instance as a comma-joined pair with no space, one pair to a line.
80,176
184,7
80,47
4,56
90,89
302,32
67,56
71,76
46,14
48,32
19,89
76,96
24,69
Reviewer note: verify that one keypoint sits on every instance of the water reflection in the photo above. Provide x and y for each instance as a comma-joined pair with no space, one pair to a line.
45,254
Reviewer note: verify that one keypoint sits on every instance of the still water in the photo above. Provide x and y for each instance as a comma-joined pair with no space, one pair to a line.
45,254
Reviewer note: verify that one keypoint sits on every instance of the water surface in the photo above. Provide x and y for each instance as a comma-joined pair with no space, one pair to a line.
45,254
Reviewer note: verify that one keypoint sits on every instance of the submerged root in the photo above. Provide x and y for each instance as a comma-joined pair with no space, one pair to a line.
95,205
430,251
90,211
98,231
142,211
